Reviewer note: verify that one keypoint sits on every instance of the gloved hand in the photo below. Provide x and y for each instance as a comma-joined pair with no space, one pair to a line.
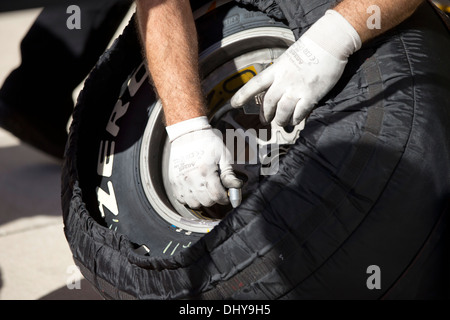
305,73
199,164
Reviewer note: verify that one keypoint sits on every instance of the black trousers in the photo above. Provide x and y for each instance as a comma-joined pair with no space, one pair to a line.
55,59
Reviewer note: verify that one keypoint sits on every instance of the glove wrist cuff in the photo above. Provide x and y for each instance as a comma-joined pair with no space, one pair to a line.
335,34
184,127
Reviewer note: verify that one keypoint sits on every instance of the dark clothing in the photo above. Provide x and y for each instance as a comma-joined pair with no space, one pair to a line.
55,60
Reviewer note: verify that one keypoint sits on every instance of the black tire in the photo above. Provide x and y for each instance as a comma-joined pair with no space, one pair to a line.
105,122
310,231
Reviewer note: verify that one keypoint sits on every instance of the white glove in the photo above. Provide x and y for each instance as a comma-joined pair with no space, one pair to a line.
305,73
199,164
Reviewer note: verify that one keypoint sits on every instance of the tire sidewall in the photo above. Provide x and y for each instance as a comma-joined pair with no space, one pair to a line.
110,145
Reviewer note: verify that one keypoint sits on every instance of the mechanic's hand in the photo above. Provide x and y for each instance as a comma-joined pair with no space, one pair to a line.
200,164
305,73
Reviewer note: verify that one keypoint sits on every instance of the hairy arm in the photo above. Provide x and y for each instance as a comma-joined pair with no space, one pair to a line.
392,14
170,45
200,168
295,83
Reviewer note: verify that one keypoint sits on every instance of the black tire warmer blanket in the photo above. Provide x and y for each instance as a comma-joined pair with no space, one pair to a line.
367,183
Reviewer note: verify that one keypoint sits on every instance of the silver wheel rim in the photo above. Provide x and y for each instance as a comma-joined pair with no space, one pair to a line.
218,62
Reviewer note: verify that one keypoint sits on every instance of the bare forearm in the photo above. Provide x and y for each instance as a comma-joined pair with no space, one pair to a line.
170,43
392,14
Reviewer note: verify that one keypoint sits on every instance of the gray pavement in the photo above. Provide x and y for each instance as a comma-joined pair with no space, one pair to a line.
35,259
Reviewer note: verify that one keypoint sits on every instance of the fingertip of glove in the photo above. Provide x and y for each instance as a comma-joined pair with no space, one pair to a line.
232,182
236,101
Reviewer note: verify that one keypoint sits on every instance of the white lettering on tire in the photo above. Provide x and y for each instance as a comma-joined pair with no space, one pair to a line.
107,200
105,162
105,159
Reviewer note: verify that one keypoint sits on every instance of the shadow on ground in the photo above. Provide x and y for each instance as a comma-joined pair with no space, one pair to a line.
86,292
